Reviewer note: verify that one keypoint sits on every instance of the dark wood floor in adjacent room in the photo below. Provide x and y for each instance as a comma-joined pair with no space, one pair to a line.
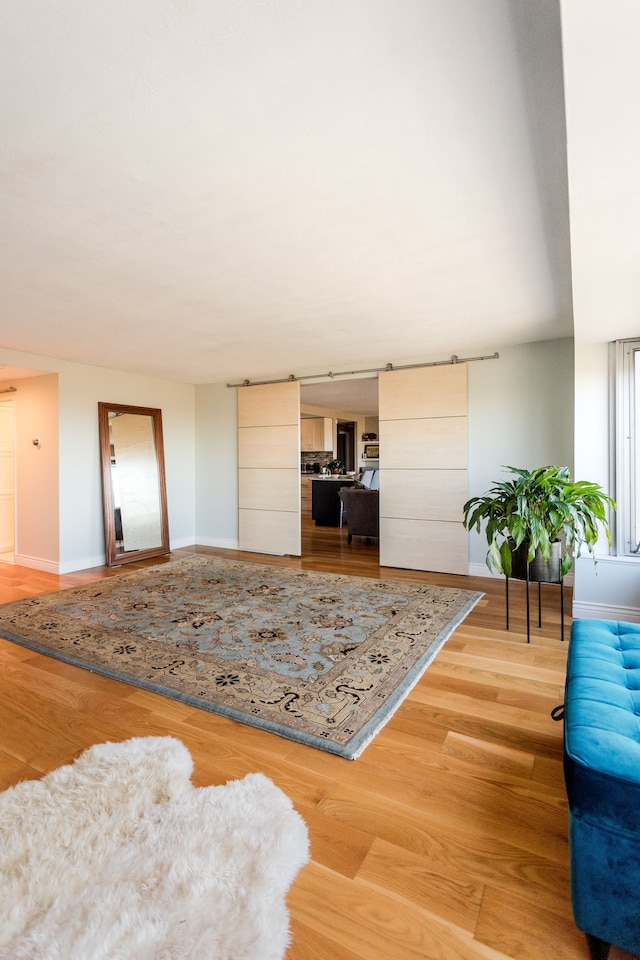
447,839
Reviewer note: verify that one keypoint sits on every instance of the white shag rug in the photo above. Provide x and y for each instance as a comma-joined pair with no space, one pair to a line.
119,857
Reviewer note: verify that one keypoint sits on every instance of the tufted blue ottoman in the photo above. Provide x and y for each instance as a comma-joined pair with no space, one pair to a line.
602,774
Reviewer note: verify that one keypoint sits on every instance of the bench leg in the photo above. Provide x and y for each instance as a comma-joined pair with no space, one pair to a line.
598,949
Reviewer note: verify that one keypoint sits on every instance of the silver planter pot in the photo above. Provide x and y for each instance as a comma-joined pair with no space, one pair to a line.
540,571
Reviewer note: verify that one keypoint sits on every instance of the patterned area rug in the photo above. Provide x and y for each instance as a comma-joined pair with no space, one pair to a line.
319,658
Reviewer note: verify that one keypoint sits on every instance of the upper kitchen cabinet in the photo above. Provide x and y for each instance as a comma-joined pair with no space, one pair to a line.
316,433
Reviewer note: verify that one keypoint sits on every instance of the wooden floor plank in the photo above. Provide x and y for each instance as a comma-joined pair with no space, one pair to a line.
482,815
494,756
412,878
379,926
341,847
513,926
12,771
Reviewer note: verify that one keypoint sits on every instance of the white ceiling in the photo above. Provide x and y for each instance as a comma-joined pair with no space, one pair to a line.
349,396
17,373
230,189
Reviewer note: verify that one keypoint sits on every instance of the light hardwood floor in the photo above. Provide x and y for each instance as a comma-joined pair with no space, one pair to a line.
446,839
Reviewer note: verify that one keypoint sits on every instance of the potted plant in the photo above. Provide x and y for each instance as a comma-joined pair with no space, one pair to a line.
536,517
335,466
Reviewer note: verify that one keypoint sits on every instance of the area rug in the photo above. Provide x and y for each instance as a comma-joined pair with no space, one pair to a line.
119,856
319,658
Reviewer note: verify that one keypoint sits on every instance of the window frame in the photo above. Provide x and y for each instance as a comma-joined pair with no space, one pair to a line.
627,447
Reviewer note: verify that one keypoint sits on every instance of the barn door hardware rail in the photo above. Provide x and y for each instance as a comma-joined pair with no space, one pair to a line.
354,373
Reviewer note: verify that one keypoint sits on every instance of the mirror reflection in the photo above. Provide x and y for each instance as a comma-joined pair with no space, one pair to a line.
134,492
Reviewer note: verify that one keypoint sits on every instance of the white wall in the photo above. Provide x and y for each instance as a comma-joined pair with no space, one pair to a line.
601,79
551,403
80,542
217,466
81,389
37,473
520,415
610,588
7,474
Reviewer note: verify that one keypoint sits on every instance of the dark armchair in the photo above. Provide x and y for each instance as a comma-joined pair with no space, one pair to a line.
361,508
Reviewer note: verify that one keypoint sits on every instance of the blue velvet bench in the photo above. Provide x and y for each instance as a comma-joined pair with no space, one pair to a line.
602,775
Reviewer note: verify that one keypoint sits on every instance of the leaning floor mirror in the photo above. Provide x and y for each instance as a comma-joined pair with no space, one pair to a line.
133,482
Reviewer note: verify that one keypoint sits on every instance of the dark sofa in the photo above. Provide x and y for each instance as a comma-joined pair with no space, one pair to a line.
361,512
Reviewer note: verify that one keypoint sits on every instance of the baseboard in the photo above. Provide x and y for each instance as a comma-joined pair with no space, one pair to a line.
580,610
72,566
601,611
181,543
482,570
215,542
35,563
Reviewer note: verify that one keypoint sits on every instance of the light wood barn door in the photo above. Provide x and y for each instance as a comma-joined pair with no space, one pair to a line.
423,468
269,468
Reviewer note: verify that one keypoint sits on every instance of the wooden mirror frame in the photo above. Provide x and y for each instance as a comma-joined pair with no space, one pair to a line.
116,554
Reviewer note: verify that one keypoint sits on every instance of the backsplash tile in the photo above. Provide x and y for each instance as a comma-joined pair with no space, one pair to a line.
309,457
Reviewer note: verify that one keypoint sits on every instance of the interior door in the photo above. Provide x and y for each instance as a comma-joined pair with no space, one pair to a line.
269,468
423,468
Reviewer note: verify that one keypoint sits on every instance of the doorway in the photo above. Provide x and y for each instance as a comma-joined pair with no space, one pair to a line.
352,403
7,482
346,444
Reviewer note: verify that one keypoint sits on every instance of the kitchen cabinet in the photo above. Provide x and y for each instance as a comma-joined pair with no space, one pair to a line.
305,494
325,502
316,433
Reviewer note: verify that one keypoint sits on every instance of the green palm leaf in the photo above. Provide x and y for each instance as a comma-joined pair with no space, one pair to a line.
539,507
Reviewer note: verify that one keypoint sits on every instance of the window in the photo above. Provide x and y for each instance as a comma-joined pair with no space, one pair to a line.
627,407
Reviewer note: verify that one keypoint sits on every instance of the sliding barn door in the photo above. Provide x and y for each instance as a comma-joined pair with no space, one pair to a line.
423,468
269,468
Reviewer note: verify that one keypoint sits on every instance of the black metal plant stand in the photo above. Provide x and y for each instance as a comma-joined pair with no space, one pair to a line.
528,581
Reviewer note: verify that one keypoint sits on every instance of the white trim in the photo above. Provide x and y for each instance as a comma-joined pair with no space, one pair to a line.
216,542
627,446
601,611
605,558
35,563
71,566
181,542
482,570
